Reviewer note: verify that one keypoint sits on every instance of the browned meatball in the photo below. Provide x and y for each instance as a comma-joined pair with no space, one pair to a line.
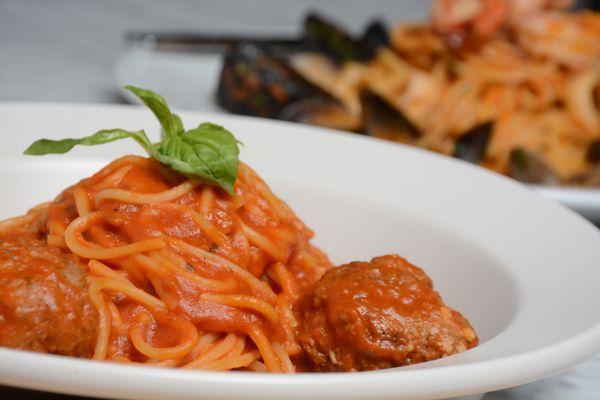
44,305
363,316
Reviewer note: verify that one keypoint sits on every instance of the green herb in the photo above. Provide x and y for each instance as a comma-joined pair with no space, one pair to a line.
171,123
208,152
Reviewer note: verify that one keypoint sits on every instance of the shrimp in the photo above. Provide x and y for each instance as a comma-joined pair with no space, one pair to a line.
475,21
570,39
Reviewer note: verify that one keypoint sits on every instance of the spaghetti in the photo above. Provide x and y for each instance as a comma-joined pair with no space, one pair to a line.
183,274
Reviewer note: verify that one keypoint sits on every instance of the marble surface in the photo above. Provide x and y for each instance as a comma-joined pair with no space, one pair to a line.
65,51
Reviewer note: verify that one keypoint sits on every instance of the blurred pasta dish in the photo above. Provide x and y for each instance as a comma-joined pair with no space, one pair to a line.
511,85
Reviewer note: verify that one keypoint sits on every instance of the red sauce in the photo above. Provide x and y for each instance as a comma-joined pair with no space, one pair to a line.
125,223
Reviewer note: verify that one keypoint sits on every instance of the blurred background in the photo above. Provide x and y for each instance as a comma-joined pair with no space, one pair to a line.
66,50
76,51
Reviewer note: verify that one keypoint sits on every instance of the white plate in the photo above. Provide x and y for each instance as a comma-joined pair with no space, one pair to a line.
524,270
190,81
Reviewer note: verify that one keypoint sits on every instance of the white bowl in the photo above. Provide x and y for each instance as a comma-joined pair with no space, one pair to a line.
522,269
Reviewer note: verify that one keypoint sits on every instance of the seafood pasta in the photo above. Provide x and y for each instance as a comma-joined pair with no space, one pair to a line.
511,85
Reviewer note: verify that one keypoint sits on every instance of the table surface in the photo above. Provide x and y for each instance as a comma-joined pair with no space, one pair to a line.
65,51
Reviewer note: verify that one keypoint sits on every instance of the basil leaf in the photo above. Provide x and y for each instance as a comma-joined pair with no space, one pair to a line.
209,152
177,125
47,146
171,123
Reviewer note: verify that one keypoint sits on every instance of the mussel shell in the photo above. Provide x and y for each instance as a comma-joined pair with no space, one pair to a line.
528,167
593,152
590,178
472,145
333,40
382,120
257,80
376,35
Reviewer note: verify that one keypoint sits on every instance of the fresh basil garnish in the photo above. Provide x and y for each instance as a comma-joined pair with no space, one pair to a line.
47,146
209,150
171,123
208,153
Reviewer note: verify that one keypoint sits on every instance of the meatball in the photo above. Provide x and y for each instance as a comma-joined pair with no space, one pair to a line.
44,303
364,316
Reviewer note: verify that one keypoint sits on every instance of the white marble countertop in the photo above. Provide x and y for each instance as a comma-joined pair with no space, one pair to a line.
65,51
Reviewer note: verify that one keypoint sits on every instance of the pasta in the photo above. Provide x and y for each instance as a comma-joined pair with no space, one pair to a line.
180,275
536,77
483,81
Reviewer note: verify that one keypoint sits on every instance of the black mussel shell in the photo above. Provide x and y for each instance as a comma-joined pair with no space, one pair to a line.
382,120
333,40
257,80
593,152
375,36
590,178
527,167
472,145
